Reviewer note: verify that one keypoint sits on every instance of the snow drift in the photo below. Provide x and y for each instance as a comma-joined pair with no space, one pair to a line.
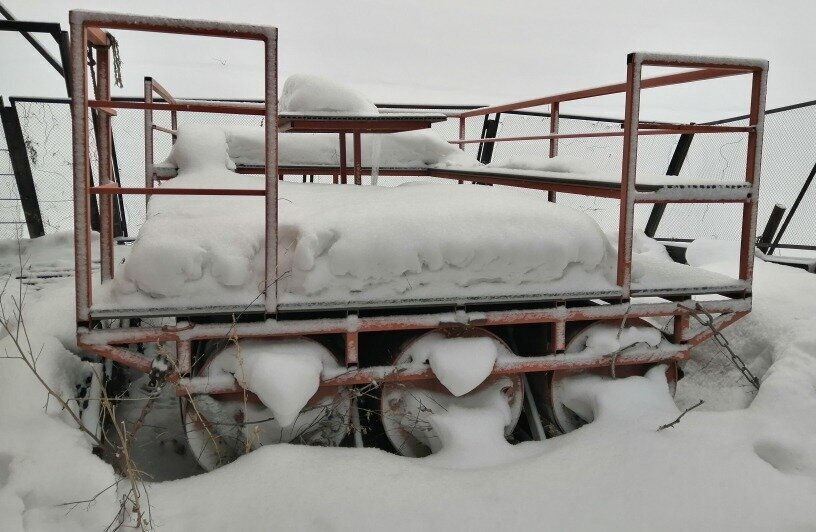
341,242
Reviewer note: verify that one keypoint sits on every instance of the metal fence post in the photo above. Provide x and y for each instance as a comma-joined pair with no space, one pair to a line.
489,130
770,228
22,170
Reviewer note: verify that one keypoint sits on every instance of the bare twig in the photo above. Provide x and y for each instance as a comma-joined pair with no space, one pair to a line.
683,413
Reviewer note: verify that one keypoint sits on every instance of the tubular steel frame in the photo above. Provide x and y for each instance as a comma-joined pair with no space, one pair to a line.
705,68
86,27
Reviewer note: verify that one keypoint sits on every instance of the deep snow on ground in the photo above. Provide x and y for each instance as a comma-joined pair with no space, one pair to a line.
748,463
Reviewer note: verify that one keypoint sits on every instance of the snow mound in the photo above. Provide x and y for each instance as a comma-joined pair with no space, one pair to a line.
284,374
642,245
606,400
720,255
304,93
204,148
461,364
605,338
408,149
472,433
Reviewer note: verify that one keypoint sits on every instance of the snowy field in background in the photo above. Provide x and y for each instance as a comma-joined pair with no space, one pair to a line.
739,462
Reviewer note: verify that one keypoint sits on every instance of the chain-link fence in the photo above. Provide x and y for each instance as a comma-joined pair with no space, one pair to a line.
789,153
12,222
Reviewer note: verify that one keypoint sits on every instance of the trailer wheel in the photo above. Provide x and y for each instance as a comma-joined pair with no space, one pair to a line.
221,428
547,387
406,407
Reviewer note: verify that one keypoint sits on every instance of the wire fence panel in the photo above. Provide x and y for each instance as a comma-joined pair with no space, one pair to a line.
12,224
47,136
789,153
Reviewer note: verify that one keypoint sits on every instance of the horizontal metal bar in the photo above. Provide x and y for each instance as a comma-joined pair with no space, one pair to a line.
708,63
696,128
672,129
617,88
94,19
113,188
220,108
30,26
513,366
292,123
168,130
126,357
282,328
540,137
701,195
339,124
588,118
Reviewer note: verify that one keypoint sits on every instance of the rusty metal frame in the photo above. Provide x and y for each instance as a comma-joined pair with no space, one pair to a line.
292,123
112,343
107,342
705,68
87,27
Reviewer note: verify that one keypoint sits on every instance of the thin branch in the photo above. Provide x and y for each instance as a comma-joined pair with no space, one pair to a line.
683,413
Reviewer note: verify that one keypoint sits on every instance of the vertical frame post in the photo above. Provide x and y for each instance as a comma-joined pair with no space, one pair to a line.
79,126
753,164
558,335
554,118
627,191
358,158
271,140
173,125
462,132
184,358
343,159
148,132
681,325
352,349
104,136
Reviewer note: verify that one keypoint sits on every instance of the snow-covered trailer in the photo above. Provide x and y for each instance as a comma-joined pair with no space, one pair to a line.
286,307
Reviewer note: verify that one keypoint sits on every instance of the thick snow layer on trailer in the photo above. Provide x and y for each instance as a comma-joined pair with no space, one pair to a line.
410,149
310,93
346,245
348,242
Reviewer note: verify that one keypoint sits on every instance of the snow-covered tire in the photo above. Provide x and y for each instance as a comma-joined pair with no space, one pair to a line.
546,387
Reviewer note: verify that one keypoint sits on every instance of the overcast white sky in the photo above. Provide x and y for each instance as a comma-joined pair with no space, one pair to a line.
447,52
